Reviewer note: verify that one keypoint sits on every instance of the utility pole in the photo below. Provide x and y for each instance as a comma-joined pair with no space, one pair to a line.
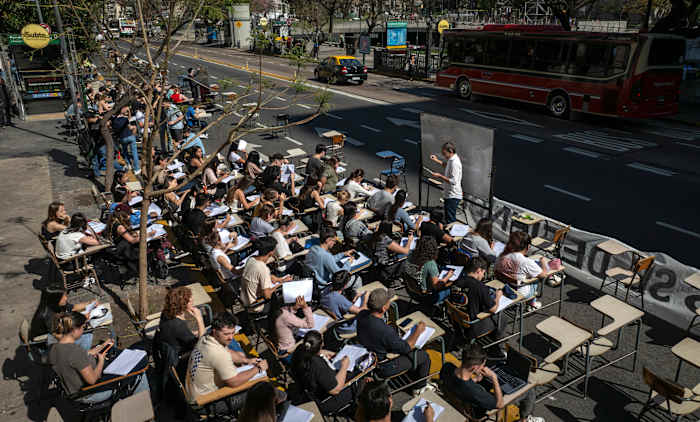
38,10
645,25
68,68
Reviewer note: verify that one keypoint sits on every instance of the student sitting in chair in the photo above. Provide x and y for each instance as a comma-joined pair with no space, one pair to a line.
324,264
514,264
339,305
382,200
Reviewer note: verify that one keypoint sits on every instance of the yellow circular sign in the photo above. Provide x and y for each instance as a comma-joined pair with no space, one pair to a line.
35,36
442,25
239,24
263,21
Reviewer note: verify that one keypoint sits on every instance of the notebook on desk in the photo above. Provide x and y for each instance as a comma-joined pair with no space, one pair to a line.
514,372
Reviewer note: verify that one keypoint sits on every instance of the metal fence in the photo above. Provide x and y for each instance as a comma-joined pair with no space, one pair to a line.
409,63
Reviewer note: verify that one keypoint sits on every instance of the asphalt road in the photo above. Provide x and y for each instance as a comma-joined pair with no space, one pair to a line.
635,180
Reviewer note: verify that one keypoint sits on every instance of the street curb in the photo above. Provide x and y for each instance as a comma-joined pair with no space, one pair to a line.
685,122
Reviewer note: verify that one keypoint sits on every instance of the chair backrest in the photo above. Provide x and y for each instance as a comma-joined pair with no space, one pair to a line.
179,385
560,234
644,264
24,332
504,278
135,408
666,388
54,416
412,285
130,308
456,315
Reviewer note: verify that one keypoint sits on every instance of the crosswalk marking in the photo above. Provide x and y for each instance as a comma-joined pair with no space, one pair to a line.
527,138
677,133
410,141
583,152
412,110
371,128
606,141
334,116
280,98
651,169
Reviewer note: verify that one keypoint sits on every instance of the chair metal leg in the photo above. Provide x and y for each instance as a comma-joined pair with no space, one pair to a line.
692,323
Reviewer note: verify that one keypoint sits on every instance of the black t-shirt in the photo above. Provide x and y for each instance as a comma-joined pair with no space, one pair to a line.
467,391
313,166
376,336
478,295
320,378
431,229
177,334
194,220
120,126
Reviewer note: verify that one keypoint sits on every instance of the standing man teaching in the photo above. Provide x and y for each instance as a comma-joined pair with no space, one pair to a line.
453,176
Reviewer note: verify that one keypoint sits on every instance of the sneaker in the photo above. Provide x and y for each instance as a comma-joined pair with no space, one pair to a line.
534,305
204,136
419,391
554,280
137,172
534,419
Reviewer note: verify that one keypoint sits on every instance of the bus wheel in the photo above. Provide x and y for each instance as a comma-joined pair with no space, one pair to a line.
559,105
464,88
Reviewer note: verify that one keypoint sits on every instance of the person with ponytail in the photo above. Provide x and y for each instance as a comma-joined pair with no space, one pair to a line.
55,301
71,240
285,323
76,366
514,264
398,214
479,242
353,185
264,403
312,368
57,220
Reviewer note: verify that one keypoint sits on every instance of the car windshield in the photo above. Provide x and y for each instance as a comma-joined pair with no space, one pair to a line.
350,62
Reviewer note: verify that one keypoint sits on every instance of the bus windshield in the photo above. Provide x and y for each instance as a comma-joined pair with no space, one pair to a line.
666,52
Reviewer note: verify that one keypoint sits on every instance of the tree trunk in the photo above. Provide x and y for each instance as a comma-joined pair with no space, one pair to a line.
143,254
109,151
428,46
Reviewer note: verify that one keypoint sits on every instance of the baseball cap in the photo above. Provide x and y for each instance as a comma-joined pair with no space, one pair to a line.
122,207
378,298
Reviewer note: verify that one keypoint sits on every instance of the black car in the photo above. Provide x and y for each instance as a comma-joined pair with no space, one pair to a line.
336,69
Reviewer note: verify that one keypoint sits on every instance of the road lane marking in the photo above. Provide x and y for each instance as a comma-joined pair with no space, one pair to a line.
678,229
371,128
527,138
293,140
280,98
412,110
410,141
334,116
689,145
500,117
242,86
583,152
354,142
260,125
651,169
566,192
304,106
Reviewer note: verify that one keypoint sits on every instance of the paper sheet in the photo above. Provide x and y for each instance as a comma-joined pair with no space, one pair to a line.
213,211
297,414
247,367
293,289
404,242
319,322
252,198
154,209
287,212
352,352
455,276
135,200
90,306
342,182
125,362
286,172
179,175
298,227
228,178
97,226
503,303
340,170
297,189
158,231
359,301
459,230
358,262
175,165
241,243
416,414
498,247
242,145
407,204
225,236
326,200
423,337
243,262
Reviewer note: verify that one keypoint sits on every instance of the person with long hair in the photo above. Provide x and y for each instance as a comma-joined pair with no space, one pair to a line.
334,209
261,226
78,367
125,239
194,158
119,181
273,198
236,197
173,328
310,194
285,227
236,157
354,229
479,241
514,264
218,256
353,185
55,301
383,245
175,198
252,164
261,403
329,175
71,239
212,179
422,266
398,214
312,368
285,323
56,221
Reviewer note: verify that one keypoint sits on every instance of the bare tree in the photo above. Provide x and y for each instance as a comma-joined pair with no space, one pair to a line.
373,12
140,78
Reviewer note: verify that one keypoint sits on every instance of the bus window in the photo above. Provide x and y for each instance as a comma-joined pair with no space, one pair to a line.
550,56
456,49
522,53
666,52
618,59
590,59
496,52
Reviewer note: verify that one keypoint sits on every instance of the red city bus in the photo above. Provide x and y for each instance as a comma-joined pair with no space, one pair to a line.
623,75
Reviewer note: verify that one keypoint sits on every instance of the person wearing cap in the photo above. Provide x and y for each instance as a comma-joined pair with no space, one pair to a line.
378,337
324,264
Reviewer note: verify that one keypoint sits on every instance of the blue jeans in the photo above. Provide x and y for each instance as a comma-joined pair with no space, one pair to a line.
439,296
235,346
85,341
99,162
129,144
451,205
142,385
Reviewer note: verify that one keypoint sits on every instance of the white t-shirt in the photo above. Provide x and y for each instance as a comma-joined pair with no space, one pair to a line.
282,249
68,244
140,119
256,278
214,259
233,157
333,212
209,365
355,189
518,266
453,171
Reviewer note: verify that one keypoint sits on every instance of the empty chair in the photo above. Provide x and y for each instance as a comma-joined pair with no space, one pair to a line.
630,277
675,399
